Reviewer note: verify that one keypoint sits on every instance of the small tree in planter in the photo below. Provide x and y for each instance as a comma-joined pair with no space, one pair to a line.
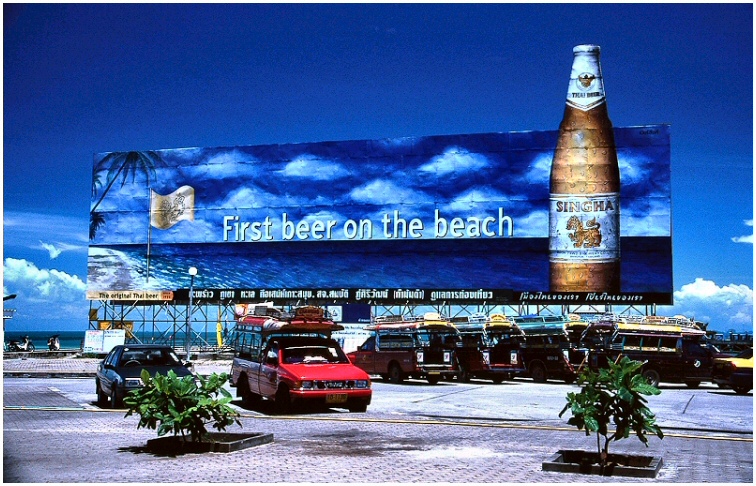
169,403
614,394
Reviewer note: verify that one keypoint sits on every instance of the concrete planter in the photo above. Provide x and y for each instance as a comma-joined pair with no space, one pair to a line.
213,442
583,462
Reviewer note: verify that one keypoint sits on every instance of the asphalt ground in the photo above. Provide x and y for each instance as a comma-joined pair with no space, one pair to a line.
50,435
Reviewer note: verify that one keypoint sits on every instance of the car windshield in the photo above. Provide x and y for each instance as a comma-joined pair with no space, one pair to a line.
149,357
313,354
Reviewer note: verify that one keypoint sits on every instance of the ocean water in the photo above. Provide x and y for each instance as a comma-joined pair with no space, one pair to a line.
352,336
68,339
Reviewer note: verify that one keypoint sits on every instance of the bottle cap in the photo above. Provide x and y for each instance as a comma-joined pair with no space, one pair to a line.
586,48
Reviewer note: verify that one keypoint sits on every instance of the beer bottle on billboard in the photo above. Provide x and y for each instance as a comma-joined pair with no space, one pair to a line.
584,213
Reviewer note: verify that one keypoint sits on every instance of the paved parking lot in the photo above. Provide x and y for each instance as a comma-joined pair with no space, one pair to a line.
477,432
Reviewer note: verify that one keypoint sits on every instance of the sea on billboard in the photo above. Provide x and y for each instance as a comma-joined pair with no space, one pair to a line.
459,216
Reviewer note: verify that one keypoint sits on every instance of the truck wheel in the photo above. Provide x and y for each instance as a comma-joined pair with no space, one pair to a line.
742,390
433,379
242,391
652,376
283,399
464,374
395,373
498,380
538,372
692,384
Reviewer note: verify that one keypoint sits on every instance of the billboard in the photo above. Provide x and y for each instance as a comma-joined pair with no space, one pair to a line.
436,219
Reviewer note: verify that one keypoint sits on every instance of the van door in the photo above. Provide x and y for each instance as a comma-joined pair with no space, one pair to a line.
268,375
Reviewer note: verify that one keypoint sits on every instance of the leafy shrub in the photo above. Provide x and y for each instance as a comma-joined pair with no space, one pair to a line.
169,403
614,394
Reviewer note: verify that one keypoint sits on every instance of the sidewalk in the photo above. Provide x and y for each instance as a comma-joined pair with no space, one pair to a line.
75,367
48,437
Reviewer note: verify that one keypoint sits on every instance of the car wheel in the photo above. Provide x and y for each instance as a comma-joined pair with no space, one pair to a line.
498,380
692,384
652,377
102,399
538,373
395,373
115,401
742,390
433,379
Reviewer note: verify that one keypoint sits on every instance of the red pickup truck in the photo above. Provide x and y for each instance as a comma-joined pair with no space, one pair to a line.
403,347
291,359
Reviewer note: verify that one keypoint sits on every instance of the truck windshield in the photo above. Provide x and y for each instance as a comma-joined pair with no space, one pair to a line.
501,338
437,339
313,354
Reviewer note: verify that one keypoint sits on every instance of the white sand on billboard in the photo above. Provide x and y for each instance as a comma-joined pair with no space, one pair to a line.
111,270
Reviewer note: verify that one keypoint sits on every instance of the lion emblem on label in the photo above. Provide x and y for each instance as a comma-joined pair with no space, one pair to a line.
584,237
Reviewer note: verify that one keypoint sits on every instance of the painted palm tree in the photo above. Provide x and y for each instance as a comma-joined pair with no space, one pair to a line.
120,166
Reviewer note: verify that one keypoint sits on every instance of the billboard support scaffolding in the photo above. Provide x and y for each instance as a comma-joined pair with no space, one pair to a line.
165,322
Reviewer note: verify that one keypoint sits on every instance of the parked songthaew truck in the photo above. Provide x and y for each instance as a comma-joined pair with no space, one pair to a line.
489,348
409,347
552,347
672,349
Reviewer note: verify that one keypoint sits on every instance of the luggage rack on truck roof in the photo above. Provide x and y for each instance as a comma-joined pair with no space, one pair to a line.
267,319
678,320
547,325
407,323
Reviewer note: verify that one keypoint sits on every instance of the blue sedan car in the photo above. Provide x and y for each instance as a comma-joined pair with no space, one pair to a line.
120,371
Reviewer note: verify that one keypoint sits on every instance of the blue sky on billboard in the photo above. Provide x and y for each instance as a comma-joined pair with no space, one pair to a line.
87,79
479,178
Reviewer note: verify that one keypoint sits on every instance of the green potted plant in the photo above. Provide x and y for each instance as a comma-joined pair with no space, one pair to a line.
185,406
615,395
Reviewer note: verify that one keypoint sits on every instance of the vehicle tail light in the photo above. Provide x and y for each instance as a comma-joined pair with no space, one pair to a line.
420,356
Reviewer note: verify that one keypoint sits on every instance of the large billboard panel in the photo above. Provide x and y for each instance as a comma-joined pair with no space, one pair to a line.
450,218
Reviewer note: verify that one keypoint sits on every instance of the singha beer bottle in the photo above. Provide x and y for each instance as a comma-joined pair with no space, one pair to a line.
584,224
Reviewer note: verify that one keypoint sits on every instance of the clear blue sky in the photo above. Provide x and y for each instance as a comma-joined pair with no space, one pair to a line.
85,79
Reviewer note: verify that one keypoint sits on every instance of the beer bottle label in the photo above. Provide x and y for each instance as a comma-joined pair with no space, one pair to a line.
584,229
586,89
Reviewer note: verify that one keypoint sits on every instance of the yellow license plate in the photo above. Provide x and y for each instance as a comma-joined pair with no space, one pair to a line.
336,398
